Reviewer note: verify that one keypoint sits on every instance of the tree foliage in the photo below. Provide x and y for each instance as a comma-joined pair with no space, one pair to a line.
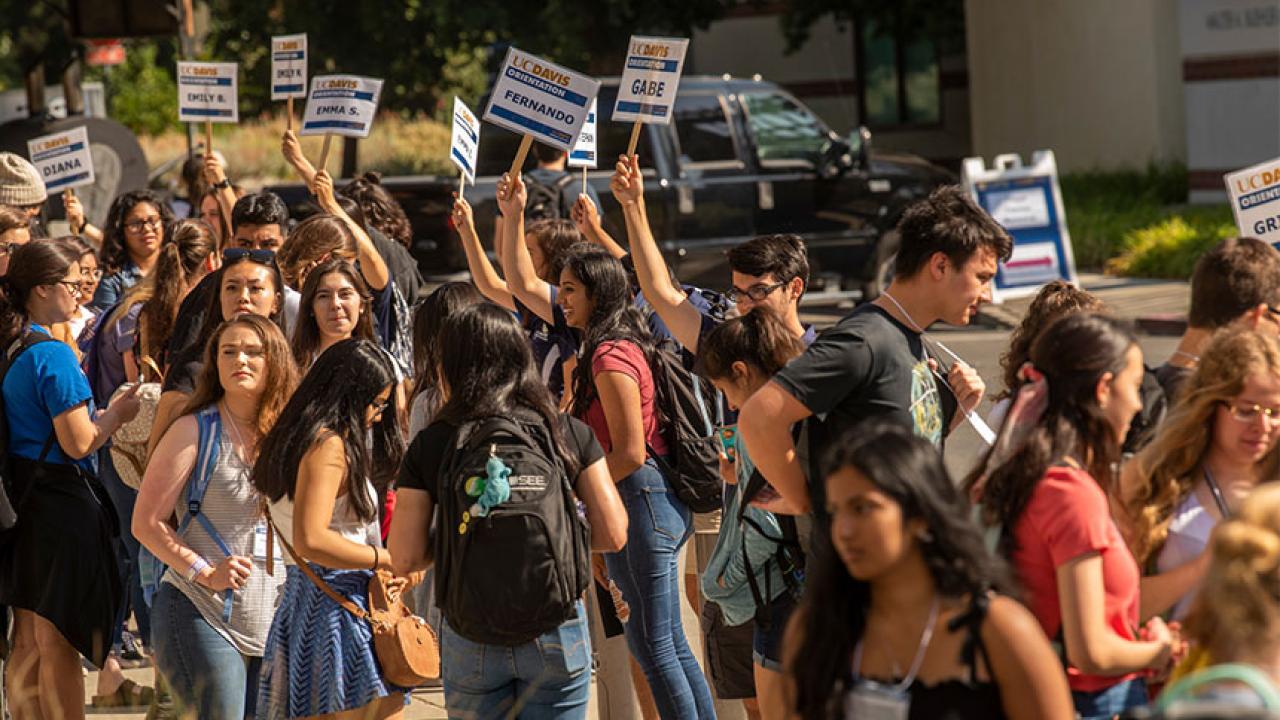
939,20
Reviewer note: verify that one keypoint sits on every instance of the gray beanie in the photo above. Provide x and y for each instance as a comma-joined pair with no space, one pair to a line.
20,182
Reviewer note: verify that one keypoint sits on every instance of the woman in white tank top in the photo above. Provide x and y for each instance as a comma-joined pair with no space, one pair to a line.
1216,445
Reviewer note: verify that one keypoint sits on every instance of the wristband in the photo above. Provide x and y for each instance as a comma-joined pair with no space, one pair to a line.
197,567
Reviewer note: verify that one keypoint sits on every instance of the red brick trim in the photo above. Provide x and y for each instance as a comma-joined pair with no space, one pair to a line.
1207,179
1242,67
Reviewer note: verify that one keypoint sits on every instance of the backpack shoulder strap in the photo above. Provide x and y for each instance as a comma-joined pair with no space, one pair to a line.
209,422
563,181
21,344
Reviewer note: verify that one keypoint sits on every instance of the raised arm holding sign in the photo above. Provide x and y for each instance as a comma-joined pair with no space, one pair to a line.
340,105
649,83
541,101
289,71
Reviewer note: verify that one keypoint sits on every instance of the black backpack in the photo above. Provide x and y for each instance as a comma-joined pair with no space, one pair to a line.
511,576
691,410
545,202
1155,405
8,508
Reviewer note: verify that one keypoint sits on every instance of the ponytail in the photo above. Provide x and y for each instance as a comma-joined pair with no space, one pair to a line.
179,259
13,316
759,339
39,262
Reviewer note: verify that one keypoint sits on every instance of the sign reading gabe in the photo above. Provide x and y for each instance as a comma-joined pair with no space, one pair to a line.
289,66
342,105
1255,200
207,91
465,144
539,98
583,153
650,79
63,159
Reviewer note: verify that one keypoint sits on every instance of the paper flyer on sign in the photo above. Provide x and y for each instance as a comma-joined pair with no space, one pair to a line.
650,79
583,153
63,159
207,92
289,66
539,98
341,104
465,145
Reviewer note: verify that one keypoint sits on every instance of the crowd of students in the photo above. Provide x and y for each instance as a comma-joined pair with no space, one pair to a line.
482,443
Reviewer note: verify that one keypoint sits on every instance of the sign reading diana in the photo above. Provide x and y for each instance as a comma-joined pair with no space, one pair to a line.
650,79
541,99
584,150
342,105
207,92
1027,202
63,159
1255,200
288,66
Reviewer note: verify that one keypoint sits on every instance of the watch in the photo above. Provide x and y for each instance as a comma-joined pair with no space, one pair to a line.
222,184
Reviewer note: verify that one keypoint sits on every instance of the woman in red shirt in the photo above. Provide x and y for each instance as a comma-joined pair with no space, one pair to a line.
1045,484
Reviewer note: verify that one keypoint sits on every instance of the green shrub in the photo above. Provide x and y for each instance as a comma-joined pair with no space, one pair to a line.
1170,247
143,96
1103,206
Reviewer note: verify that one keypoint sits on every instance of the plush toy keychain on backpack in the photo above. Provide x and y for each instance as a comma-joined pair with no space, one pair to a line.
491,490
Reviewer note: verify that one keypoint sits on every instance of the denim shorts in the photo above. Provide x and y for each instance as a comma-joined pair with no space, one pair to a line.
766,644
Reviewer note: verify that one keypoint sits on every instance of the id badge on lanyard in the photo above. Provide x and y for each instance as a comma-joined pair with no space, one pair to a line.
874,701
260,543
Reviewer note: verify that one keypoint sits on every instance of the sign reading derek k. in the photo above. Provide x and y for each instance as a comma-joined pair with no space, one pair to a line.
650,79
341,105
1255,200
540,99
207,92
583,153
63,159
288,66
465,144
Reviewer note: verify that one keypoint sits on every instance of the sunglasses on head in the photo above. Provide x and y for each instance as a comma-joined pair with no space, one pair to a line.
262,257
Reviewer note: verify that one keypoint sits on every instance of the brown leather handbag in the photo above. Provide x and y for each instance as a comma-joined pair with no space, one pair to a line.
404,643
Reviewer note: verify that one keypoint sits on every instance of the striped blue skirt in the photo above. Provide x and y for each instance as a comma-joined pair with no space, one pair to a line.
319,658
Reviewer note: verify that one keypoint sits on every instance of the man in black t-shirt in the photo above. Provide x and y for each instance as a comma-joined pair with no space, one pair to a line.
874,362
1237,281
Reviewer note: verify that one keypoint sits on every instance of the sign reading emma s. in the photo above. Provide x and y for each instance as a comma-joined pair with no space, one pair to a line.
342,105
1255,200
539,98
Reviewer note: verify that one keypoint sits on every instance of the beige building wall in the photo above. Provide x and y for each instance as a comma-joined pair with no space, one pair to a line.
1097,81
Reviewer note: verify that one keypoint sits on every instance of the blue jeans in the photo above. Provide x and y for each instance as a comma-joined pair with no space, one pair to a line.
647,573
206,673
547,677
123,498
1106,704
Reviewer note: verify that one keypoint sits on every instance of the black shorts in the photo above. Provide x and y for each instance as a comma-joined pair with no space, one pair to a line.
729,649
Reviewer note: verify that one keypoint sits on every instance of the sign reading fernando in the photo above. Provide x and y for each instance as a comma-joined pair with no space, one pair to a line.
342,105
541,99
1255,200
207,92
63,159
1027,202
650,79
288,66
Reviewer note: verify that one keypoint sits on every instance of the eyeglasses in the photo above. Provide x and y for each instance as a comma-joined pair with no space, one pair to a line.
6,248
89,277
72,286
262,257
1247,413
756,292
380,405
138,226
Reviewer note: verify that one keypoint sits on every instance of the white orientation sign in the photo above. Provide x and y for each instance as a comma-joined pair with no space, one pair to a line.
650,79
1255,200
288,66
583,153
465,144
342,105
207,91
63,159
538,98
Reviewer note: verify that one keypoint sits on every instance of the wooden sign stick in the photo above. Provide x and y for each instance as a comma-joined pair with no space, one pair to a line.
521,154
635,138
324,151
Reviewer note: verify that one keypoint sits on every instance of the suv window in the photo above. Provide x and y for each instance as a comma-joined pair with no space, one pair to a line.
785,132
703,130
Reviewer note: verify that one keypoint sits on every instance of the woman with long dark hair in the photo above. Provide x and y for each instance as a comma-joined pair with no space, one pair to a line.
614,393
1046,484
904,609
58,570
215,603
137,223
331,454
428,349
489,373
